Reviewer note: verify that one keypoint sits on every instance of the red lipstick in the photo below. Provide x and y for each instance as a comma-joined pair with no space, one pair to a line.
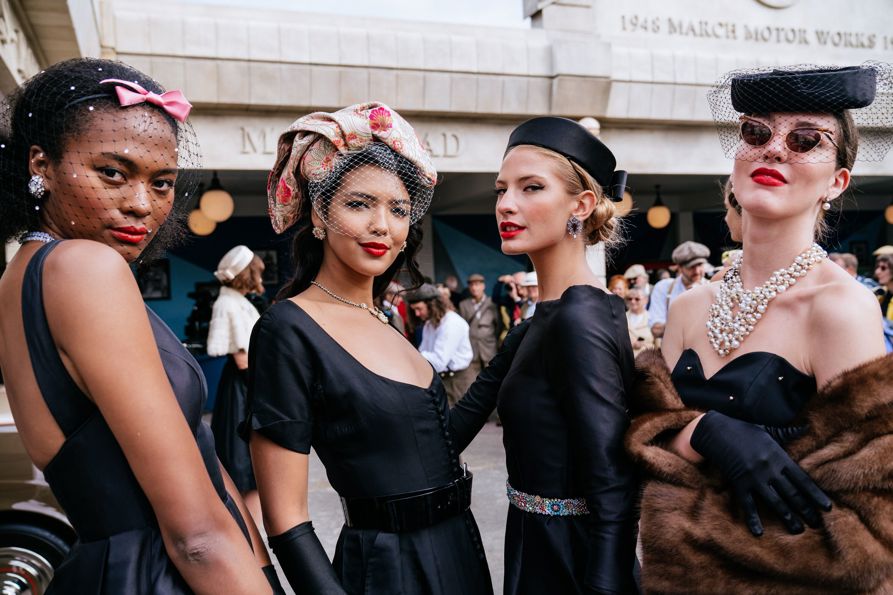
130,234
375,248
509,229
768,177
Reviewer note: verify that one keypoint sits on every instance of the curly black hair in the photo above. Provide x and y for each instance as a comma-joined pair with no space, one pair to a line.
50,111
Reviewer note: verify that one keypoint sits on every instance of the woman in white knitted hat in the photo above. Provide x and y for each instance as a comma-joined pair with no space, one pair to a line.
232,319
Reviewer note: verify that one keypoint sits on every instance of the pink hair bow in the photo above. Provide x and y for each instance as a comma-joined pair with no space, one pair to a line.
173,102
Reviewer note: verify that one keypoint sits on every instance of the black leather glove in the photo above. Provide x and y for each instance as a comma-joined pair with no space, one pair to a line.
273,579
757,467
304,562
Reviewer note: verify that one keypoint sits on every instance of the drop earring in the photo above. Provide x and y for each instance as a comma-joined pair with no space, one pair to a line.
826,204
36,187
319,233
574,226
403,247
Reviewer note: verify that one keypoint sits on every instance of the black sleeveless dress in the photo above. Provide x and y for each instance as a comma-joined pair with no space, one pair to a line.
758,387
119,547
376,437
563,411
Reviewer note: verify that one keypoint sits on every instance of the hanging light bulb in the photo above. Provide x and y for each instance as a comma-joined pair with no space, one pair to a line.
658,215
216,203
622,208
199,224
888,213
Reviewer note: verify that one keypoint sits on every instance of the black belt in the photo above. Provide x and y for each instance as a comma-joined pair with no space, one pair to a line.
409,512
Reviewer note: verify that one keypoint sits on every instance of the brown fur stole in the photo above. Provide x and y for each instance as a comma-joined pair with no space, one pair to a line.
693,537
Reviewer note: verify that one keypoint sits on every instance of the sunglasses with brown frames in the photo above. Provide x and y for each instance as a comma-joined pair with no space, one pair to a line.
798,140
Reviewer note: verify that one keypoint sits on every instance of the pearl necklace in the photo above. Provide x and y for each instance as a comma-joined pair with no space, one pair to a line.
381,316
727,330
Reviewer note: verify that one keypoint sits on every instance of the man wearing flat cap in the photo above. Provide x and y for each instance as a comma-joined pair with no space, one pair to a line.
484,328
445,343
637,276
691,258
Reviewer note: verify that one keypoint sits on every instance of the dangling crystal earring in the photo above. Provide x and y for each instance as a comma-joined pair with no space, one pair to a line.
36,186
574,226
403,247
319,233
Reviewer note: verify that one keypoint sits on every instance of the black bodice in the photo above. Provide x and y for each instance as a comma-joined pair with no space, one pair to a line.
758,387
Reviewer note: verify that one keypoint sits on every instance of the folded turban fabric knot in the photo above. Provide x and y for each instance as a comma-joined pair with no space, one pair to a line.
310,147
233,262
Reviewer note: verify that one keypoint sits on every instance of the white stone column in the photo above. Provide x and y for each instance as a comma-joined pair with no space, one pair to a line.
595,258
11,249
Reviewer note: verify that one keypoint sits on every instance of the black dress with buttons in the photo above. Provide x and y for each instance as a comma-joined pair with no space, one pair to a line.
376,437
563,410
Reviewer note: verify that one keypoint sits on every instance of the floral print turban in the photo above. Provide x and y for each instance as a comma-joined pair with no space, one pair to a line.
309,149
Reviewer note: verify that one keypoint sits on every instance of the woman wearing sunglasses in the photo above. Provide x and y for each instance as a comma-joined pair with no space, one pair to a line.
763,423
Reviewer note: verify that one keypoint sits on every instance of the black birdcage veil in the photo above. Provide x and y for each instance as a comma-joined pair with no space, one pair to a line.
368,191
118,171
798,110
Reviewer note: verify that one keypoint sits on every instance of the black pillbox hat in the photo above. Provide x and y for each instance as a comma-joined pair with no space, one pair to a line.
570,139
825,90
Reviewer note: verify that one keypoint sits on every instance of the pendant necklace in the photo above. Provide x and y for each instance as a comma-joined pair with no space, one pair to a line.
727,330
363,306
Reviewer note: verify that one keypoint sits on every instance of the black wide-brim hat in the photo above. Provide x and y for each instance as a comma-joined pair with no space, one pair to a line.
864,91
821,90
570,139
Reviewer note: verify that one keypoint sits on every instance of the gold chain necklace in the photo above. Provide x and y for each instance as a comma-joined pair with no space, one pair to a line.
378,314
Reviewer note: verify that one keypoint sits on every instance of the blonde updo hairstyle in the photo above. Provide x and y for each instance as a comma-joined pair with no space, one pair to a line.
603,224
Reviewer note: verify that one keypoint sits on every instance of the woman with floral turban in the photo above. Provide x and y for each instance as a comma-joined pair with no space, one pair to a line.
327,370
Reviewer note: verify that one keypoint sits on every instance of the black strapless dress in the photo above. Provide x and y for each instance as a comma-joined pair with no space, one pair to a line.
757,387
376,437
119,547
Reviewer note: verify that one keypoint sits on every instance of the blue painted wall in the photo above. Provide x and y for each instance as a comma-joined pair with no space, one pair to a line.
175,311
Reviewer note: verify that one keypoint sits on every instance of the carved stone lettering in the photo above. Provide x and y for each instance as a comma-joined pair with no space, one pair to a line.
258,140
752,33
441,143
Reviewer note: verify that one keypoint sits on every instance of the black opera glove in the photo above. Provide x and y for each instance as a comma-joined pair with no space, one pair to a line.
304,562
785,434
273,579
757,467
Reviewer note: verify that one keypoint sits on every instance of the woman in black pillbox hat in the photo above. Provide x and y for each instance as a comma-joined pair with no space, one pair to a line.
763,422
571,524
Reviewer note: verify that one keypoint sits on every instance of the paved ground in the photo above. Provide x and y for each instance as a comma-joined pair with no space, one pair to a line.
485,459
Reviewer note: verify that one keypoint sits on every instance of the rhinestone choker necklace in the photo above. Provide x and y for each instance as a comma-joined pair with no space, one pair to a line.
727,330
363,306
38,236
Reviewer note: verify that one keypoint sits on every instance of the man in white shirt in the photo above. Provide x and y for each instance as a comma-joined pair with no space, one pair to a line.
445,341
691,257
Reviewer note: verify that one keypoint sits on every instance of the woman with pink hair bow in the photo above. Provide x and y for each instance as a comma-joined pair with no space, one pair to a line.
106,399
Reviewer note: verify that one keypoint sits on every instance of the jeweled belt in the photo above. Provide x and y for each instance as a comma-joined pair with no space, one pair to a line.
547,506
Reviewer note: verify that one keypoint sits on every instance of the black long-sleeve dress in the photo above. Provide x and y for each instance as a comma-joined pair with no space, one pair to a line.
376,437
563,409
